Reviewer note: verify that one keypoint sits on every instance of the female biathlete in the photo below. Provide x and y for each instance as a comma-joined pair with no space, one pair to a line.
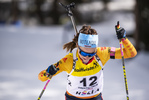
84,64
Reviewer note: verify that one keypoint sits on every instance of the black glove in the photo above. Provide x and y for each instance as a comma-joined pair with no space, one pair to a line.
120,32
51,70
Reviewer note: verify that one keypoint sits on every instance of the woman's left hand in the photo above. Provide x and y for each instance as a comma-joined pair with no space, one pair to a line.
121,33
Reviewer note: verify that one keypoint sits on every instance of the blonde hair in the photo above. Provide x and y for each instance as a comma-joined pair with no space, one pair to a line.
86,29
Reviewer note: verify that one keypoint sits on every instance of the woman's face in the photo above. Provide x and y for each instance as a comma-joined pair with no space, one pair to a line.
86,59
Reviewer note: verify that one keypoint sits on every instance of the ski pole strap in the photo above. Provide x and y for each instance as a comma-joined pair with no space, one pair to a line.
46,84
121,48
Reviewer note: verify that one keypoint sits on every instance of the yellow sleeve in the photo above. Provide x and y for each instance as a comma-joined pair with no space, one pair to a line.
65,64
128,50
42,76
104,54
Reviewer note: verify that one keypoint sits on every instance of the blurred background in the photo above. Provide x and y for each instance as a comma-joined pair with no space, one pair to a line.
32,33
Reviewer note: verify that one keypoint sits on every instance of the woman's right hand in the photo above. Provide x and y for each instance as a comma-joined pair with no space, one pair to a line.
51,70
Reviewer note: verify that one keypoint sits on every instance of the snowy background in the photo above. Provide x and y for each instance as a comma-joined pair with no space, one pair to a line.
27,50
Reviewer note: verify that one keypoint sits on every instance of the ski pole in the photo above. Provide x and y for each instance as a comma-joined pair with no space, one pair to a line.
70,14
123,63
44,87
50,77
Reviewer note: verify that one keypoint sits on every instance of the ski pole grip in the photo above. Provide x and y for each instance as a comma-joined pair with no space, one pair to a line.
67,7
118,25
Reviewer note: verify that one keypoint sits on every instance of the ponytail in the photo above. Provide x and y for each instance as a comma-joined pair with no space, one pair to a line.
71,45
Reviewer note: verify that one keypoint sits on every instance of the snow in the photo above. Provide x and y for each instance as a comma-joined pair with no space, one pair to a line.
25,51
94,6
120,5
